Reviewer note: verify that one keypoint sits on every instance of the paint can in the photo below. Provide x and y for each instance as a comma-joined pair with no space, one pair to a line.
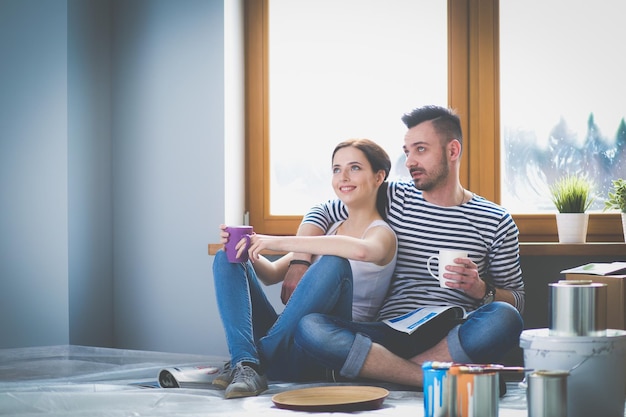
596,384
577,308
472,391
546,393
435,375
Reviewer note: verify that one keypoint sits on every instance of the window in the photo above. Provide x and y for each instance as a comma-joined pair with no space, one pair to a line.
340,70
561,83
473,89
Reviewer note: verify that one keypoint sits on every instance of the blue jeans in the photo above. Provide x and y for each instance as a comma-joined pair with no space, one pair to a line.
339,344
256,333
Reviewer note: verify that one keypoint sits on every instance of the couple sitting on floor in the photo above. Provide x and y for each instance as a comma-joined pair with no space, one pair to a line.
361,259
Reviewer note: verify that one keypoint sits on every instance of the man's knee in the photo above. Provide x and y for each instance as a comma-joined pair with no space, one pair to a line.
490,332
308,331
508,317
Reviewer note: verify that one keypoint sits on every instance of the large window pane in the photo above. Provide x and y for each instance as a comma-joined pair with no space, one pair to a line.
341,69
562,97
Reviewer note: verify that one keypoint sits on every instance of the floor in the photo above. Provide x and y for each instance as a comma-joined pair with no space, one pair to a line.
77,381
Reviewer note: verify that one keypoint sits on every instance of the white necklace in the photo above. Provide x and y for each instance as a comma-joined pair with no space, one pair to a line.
462,196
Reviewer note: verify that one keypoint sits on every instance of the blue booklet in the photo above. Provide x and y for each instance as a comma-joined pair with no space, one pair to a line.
410,322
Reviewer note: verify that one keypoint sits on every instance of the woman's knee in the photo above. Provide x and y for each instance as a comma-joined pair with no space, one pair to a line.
223,269
336,263
220,262
220,257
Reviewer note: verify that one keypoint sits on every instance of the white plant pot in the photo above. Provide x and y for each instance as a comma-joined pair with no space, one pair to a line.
624,225
572,227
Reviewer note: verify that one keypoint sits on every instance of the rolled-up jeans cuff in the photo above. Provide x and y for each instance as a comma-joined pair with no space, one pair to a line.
454,347
356,357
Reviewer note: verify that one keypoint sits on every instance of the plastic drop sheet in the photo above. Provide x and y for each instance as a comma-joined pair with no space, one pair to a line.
69,381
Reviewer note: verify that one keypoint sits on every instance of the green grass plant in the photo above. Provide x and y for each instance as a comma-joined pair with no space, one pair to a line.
572,194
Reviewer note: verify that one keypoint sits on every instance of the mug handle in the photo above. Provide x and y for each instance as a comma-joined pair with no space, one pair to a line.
248,241
428,266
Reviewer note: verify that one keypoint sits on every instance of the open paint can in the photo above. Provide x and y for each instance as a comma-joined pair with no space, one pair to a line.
435,388
596,383
472,392
577,308
546,393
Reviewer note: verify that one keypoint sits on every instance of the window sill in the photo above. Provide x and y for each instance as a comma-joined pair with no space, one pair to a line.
544,248
572,249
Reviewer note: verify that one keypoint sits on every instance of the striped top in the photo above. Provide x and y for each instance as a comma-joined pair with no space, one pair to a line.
485,230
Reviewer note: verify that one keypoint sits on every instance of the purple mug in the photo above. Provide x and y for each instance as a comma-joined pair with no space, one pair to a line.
236,234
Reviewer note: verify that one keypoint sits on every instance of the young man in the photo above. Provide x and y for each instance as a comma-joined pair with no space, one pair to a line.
433,211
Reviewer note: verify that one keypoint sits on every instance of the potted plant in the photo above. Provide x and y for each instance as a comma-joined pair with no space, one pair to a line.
617,200
572,196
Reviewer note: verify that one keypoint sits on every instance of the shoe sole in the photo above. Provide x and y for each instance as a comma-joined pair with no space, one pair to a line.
239,394
221,384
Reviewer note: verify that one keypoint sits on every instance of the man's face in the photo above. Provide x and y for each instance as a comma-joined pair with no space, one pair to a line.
425,156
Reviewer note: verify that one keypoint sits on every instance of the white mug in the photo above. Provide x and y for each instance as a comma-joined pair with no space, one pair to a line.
445,257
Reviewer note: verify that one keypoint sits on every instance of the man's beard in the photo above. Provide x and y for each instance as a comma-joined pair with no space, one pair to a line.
437,177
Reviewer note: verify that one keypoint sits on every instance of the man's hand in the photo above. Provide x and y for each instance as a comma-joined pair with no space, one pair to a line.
292,278
296,271
464,276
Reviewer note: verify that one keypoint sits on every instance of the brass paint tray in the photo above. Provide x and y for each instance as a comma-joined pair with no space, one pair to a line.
332,398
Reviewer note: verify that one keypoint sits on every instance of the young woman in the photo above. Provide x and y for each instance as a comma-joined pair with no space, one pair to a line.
349,277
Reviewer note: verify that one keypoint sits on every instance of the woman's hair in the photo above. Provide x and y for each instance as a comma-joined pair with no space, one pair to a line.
379,160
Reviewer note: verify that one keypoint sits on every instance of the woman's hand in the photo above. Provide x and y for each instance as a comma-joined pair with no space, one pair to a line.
258,243
224,235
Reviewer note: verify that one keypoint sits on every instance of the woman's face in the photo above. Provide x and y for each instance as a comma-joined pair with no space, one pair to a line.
354,181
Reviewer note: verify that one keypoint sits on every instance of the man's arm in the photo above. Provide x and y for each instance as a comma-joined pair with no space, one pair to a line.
315,223
296,271
505,270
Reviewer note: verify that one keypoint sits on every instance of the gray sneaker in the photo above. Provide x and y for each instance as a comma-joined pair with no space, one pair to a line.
225,377
246,383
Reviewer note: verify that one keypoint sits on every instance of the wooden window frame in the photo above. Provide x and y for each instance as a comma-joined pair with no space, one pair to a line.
473,91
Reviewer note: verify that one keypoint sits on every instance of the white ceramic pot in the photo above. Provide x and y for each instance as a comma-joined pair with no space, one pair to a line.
624,225
572,227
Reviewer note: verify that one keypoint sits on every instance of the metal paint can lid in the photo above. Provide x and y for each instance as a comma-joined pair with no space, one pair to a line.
436,365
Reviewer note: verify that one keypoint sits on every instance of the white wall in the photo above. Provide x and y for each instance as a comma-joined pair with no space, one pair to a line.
33,173
90,208
234,108
168,164
112,162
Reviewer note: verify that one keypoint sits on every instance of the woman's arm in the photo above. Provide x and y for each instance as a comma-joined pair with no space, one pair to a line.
272,272
378,245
